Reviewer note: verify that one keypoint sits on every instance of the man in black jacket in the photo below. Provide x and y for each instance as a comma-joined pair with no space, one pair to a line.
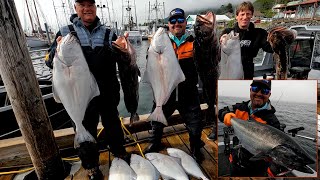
260,109
251,38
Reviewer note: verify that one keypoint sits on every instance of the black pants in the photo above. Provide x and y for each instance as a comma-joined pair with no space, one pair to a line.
189,109
107,109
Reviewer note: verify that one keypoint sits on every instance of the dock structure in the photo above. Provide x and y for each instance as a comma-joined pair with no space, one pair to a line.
23,91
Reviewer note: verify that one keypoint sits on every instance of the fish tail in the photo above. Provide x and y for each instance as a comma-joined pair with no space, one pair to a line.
83,136
157,115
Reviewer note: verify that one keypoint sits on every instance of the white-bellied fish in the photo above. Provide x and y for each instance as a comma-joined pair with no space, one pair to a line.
268,143
169,167
120,170
189,165
163,72
143,168
73,84
230,63
128,73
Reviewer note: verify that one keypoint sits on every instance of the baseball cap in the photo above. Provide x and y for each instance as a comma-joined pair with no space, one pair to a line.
93,1
177,12
263,82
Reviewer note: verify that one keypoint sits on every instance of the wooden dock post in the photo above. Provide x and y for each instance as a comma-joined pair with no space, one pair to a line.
22,87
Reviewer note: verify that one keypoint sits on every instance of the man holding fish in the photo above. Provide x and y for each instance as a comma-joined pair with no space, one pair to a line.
183,93
96,44
259,107
251,38
260,146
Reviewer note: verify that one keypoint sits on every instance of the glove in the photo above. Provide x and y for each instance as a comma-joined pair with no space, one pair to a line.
227,118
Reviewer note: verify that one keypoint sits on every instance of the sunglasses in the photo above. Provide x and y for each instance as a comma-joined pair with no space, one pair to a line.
264,91
174,20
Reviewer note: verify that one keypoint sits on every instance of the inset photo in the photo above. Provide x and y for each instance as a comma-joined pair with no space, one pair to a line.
267,128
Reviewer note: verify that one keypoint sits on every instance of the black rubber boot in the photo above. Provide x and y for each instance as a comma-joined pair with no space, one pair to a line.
155,139
195,145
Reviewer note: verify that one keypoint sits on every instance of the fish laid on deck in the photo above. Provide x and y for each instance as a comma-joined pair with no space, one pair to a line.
168,166
120,170
128,73
279,38
143,168
207,56
73,84
231,64
163,72
268,143
189,165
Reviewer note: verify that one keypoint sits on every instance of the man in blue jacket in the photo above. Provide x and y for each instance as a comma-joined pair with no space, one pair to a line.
95,40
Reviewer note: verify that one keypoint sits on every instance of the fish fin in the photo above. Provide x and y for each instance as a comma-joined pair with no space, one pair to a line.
260,156
178,160
55,94
83,136
157,115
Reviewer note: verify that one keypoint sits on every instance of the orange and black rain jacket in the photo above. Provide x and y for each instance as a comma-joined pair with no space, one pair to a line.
242,111
240,157
184,54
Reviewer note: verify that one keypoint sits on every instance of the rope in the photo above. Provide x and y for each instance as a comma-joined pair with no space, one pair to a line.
134,139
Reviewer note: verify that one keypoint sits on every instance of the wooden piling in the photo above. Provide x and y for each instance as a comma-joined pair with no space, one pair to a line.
23,90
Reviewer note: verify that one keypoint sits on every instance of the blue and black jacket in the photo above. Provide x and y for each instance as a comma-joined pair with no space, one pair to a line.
96,45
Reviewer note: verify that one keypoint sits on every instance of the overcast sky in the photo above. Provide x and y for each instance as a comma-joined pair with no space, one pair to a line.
141,8
304,91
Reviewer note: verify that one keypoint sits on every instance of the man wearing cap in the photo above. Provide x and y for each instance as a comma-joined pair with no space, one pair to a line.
259,108
95,40
185,98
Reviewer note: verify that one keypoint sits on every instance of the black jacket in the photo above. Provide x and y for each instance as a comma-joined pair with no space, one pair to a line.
242,108
241,165
251,40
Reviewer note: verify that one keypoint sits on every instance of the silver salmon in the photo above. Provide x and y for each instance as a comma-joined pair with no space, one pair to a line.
268,143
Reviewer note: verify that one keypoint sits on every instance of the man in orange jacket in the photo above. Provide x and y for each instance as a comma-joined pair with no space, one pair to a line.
185,97
260,109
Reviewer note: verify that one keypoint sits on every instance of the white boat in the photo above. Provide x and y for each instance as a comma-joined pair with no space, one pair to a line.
35,42
134,37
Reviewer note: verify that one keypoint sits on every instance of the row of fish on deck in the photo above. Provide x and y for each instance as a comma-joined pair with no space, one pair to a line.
176,165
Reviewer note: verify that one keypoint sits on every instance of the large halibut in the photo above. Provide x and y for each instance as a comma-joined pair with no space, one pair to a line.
73,84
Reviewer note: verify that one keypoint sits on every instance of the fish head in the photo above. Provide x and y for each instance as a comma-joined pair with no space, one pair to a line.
158,40
121,43
291,158
205,27
279,37
69,49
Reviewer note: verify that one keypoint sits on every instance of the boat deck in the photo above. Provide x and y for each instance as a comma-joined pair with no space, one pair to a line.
174,136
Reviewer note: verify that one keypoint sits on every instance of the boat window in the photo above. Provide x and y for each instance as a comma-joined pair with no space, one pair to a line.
316,53
300,52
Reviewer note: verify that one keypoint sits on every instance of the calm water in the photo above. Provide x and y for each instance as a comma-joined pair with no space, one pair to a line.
145,91
293,115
